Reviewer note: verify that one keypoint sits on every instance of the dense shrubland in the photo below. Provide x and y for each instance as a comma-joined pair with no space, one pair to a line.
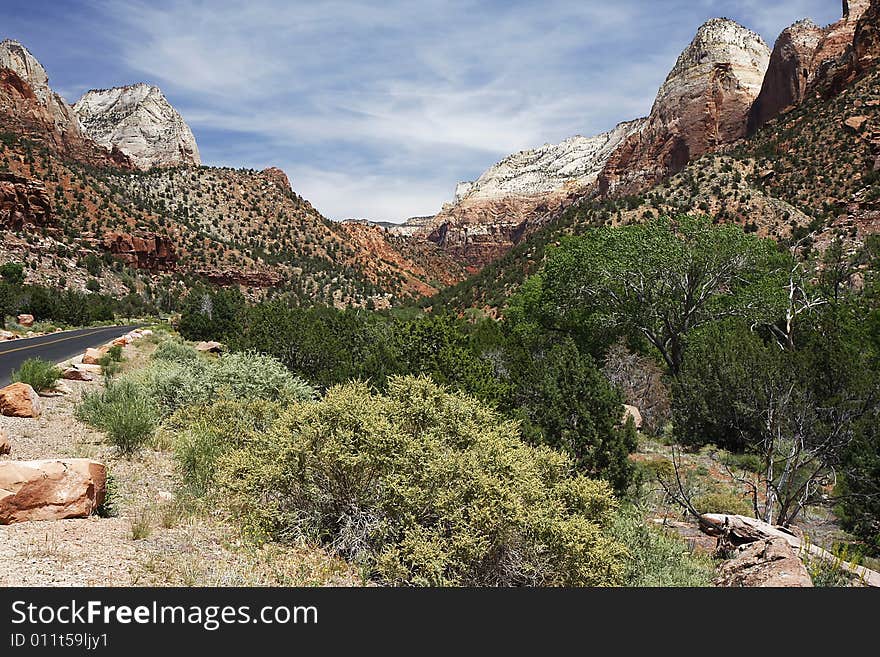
415,486
746,349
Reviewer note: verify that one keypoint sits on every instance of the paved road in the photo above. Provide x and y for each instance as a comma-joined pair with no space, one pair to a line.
54,347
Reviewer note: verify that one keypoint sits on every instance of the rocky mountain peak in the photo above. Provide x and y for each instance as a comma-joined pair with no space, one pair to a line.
703,104
804,57
720,42
14,56
140,121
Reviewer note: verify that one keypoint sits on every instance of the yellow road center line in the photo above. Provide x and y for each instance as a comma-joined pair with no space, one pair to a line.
43,344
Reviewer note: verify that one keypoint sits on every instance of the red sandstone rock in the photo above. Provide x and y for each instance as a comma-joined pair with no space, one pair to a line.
75,374
23,201
26,320
703,104
278,177
143,251
94,356
789,72
19,400
767,563
50,489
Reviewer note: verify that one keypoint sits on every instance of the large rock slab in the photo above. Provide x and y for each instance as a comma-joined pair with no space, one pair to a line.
630,411
50,489
20,400
770,562
209,347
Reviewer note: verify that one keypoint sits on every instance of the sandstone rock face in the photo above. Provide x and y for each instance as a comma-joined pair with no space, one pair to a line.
789,73
804,54
413,225
766,563
573,164
491,214
17,58
278,177
19,400
28,106
142,251
703,104
852,49
23,201
140,121
50,489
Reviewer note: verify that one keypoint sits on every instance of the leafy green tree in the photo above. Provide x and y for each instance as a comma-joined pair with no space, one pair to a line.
565,402
12,273
658,281
211,315
439,346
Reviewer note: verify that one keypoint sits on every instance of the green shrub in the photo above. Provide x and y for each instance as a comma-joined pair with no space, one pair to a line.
723,501
656,557
109,508
115,353
747,462
173,385
109,368
123,412
422,486
831,573
178,384
253,376
38,373
175,351
201,434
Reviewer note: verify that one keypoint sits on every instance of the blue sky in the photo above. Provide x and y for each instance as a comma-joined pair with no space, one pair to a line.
376,109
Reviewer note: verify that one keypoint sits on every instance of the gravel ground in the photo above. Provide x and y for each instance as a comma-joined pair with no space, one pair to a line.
151,541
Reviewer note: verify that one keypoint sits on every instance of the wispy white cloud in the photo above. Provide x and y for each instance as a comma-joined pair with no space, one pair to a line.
378,108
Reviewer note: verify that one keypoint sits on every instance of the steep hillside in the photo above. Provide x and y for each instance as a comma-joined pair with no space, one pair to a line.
66,201
808,176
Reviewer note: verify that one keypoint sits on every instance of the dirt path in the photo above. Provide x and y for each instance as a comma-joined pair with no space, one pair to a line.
151,542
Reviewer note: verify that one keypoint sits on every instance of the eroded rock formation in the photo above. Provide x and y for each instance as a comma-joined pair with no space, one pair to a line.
140,121
23,201
703,104
29,108
142,251
491,214
803,57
